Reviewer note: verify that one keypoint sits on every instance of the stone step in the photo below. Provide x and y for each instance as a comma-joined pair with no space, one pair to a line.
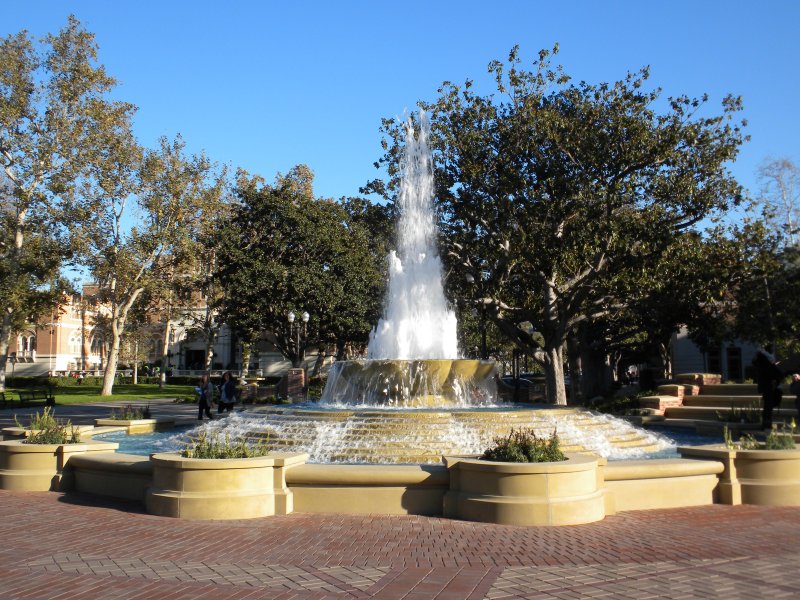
725,401
709,413
729,389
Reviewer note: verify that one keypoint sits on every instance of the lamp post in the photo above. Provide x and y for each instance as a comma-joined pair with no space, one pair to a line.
169,347
297,329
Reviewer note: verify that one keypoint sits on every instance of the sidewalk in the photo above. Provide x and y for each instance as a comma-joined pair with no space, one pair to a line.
60,546
72,547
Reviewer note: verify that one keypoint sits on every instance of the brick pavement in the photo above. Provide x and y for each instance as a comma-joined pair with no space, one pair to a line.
67,546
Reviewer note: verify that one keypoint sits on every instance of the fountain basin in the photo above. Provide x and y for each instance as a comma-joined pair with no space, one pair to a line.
411,383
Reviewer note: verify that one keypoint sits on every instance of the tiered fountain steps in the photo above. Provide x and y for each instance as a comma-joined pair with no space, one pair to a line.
398,436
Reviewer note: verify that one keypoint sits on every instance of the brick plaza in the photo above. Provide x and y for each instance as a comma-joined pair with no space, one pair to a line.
73,547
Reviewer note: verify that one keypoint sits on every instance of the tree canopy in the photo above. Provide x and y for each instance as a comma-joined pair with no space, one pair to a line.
549,188
285,251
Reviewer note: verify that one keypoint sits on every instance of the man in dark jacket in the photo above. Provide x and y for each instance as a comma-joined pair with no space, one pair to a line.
768,377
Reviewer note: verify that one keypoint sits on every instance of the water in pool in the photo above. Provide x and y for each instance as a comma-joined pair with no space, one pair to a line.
176,439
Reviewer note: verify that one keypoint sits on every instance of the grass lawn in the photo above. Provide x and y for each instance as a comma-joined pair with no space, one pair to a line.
82,394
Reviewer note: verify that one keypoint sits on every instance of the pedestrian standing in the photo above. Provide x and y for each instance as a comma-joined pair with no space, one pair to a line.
206,394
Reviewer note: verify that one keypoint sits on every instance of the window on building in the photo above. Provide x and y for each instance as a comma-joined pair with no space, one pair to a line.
96,346
74,342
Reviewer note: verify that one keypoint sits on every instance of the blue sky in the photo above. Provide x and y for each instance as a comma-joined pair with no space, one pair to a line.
267,85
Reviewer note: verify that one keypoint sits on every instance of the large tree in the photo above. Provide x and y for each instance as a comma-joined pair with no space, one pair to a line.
285,251
137,209
53,104
548,187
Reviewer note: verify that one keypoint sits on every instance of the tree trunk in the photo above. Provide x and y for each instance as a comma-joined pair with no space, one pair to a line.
211,339
317,369
554,376
162,378
136,362
574,362
5,344
118,318
113,359
247,352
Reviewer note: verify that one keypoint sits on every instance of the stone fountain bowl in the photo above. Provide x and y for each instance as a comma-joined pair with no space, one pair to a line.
407,383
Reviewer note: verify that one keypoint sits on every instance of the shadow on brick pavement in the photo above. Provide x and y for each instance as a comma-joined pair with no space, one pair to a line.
72,546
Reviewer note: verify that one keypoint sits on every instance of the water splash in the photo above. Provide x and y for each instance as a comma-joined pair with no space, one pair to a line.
417,323
364,436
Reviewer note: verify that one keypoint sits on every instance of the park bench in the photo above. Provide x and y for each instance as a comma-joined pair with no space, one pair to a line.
31,396
5,399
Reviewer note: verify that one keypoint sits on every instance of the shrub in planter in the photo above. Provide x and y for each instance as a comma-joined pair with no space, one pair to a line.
523,446
129,412
525,480
46,429
210,446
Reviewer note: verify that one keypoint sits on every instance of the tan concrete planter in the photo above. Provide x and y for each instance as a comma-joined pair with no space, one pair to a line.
210,489
42,467
134,426
558,493
765,477
20,433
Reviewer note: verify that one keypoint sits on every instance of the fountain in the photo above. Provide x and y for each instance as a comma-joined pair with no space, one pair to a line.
413,399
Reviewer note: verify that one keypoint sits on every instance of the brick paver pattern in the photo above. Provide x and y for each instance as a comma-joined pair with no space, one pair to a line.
72,547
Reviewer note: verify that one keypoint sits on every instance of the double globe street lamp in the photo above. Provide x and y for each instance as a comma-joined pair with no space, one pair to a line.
297,329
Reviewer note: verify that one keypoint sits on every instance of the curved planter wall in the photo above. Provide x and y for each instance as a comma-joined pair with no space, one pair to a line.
41,467
210,489
134,426
557,493
765,477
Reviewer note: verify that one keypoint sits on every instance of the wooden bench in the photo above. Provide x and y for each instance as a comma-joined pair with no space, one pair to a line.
31,396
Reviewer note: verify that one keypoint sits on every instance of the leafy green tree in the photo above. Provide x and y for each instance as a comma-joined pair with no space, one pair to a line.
169,192
548,188
285,251
53,104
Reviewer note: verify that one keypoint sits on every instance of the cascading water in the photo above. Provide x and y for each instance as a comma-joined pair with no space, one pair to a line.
413,399
418,323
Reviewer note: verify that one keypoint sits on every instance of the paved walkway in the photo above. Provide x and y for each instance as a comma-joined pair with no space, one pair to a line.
62,546
85,414
73,547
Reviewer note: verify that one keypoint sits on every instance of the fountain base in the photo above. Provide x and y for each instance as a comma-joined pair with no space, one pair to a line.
434,383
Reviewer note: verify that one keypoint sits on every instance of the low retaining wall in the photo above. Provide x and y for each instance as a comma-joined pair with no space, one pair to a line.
125,476
212,489
43,467
661,483
133,426
765,477
568,492
362,489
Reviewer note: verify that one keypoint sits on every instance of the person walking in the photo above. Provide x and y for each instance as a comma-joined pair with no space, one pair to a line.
768,377
794,389
206,394
227,393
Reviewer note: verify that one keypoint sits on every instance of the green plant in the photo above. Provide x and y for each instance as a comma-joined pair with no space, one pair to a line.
617,405
524,446
748,442
726,436
129,412
210,446
45,420
781,437
745,414
46,429
60,434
